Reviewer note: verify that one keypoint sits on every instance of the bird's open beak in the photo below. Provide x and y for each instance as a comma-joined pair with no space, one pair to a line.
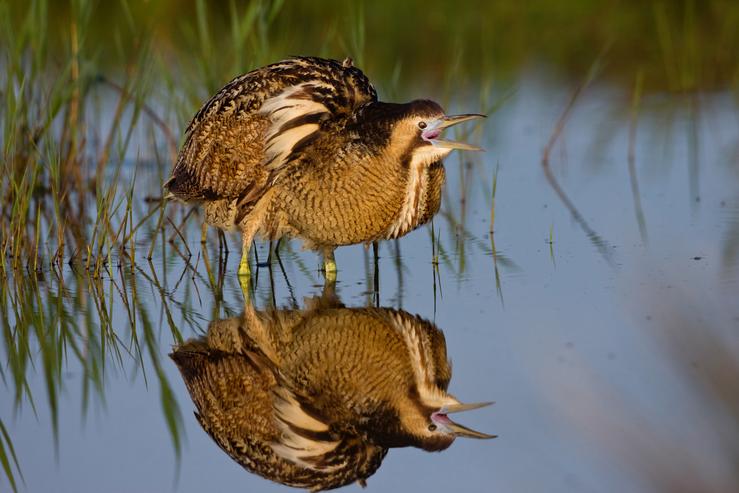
458,408
434,129
441,419
463,431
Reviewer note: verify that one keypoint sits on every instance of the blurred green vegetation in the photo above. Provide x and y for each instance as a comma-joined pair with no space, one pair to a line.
158,60
78,77
678,44
94,327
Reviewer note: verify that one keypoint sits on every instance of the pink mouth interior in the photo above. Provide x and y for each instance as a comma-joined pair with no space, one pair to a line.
440,418
431,134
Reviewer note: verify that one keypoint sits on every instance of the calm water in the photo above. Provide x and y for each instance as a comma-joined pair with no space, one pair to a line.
612,359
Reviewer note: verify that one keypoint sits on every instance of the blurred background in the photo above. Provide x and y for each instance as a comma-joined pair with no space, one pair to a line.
585,269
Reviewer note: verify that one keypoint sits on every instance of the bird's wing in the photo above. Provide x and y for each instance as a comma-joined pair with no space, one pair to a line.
242,137
305,437
309,441
295,115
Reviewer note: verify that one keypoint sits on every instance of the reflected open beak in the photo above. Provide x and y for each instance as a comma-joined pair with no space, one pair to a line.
458,408
433,131
441,419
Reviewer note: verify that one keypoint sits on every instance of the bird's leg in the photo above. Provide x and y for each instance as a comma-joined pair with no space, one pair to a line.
329,298
206,262
249,229
329,264
204,233
269,255
222,241
277,250
376,277
245,284
244,269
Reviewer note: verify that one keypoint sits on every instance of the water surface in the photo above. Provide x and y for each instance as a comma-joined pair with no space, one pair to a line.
610,348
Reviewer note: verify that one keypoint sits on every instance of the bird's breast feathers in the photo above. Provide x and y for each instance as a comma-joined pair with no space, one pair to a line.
414,201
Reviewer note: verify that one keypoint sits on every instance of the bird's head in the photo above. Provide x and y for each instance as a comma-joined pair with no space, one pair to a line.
414,131
430,427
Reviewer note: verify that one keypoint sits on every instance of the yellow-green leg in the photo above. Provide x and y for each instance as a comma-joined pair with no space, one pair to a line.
329,264
245,284
248,231
244,269
204,233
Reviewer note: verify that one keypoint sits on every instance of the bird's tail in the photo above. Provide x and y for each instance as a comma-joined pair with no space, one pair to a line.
166,186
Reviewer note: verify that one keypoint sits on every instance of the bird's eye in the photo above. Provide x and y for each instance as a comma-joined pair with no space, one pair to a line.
421,125
432,427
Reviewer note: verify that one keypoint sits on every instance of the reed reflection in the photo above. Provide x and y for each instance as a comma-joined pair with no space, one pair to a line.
315,397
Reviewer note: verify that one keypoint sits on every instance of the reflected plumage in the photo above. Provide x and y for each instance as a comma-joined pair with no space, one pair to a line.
314,398
303,148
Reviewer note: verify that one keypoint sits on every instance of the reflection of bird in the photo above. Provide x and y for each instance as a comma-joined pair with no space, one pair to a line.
236,395
303,148
314,398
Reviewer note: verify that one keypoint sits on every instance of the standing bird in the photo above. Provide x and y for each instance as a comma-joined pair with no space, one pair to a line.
314,398
303,148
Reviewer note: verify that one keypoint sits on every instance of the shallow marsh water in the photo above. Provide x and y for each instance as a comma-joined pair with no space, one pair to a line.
611,352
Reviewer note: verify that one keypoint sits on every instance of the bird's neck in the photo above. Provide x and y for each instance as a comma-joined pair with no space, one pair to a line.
420,183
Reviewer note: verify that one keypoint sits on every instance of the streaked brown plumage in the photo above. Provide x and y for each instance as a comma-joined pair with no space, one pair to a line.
235,395
314,398
303,148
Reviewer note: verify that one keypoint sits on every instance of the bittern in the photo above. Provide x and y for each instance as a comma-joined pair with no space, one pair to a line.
303,148
314,398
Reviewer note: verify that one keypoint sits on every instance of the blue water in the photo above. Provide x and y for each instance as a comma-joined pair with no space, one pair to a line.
609,360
